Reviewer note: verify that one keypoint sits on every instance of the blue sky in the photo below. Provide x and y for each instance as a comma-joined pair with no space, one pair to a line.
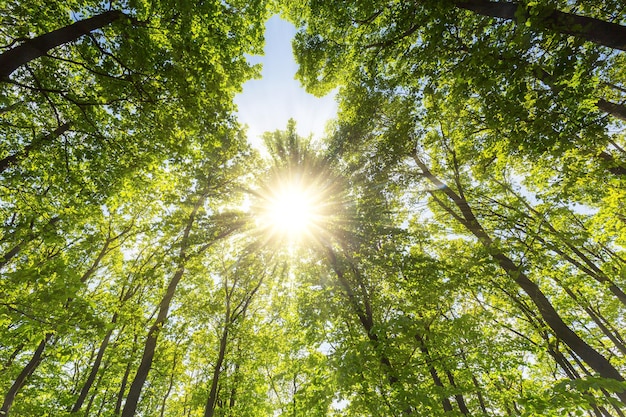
268,103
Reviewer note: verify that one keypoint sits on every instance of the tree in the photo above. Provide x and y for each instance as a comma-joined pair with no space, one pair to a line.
94,98
456,243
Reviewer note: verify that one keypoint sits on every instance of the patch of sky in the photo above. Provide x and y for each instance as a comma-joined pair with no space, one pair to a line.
266,104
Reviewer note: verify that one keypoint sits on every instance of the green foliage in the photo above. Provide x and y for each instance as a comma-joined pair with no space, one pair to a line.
472,214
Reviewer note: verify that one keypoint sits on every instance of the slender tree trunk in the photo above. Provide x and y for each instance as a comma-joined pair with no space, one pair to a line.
102,403
479,394
589,29
592,314
614,109
14,251
12,357
594,359
93,397
608,325
540,327
458,397
445,402
103,345
169,386
132,399
364,314
616,342
588,373
615,166
565,365
39,46
233,391
94,370
23,376
597,413
11,160
231,315
583,263
122,391
209,409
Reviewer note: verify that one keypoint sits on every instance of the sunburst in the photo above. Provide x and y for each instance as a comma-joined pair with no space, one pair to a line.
292,210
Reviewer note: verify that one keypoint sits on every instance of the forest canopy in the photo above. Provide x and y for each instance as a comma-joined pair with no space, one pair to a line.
454,246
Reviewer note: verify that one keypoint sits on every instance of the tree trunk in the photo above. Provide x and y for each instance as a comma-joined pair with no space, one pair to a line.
614,109
615,167
479,394
607,323
613,338
94,370
588,373
583,263
120,393
93,397
170,385
589,29
39,46
12,357
233,391
209,410
364,314
587,353
445,402
132,399
23,376
11,160
458,397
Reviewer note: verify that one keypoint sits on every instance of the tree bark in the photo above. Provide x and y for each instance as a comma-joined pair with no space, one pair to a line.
589,29
120,393
37,47
614,109
23,376
445,402
209,410
587,353
94,370
460,400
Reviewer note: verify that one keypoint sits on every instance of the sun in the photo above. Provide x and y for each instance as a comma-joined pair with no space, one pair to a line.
291,211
